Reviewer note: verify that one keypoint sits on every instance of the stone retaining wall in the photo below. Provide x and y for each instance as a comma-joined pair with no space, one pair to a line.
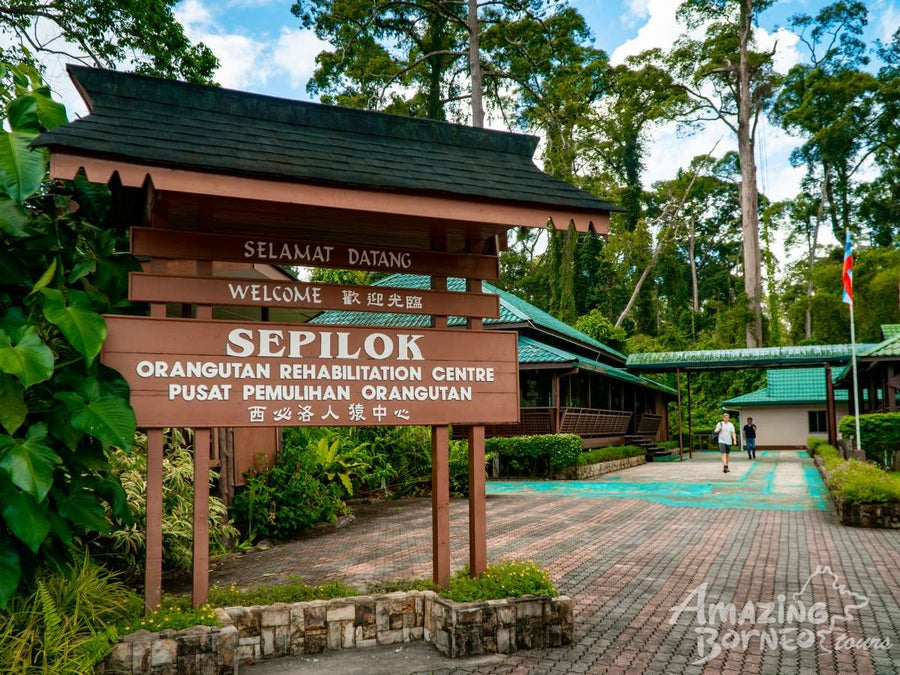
271,631
884,516
598,469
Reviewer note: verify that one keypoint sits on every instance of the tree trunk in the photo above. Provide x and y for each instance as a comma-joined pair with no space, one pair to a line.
475,65
695,291
749,193
814,242
436,66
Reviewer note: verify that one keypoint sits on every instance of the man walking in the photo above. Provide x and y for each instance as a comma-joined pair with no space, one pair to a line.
727,437
750,438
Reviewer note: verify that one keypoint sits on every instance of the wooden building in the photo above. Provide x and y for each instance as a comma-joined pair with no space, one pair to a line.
569,382
878,374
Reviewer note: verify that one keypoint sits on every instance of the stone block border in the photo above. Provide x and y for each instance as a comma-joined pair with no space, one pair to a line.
883,516
271,631
598,469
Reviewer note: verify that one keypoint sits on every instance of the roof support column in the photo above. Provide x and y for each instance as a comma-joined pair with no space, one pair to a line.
830,408
680,418
690,418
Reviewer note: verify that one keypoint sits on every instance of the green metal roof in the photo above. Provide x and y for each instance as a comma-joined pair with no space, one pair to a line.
890,348
176,124
725,359
889,330
513,310
794,386
534,351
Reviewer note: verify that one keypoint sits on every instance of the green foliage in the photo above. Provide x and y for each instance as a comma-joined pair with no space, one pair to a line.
143,36
504,579
173,613
335,460
597,326
66,624
288,497
292,590
609,454
535,455
880,434
61,410
812,443
863,483
124,546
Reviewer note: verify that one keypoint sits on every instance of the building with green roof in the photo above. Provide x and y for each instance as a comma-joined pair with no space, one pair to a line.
790,408
878,373
569,382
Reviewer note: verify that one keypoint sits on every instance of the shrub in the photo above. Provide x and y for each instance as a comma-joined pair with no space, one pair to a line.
863,483
174,613
384,587
293,590
535,455
286,498
609,454
67,624
505,579
830,455
59,408
812,443
124,547
880,434
668,445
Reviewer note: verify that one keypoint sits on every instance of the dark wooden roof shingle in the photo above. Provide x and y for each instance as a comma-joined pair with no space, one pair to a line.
176,124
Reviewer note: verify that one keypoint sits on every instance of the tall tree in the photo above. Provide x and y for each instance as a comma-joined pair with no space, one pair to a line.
142,34
727,79
830,102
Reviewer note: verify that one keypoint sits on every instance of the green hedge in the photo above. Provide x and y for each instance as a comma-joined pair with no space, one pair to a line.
535,455
812,443
609,454
855,481
880,434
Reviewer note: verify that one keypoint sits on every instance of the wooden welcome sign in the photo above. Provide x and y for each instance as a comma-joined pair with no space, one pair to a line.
160,243
204,373
300,295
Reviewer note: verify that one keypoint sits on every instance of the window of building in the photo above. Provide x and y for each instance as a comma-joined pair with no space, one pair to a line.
818,422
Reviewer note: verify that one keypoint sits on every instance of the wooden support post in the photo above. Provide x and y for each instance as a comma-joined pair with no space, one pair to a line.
153,554
830,408
477,503
153,525
680,419
200,586
440,467
555,395
477,496
690,418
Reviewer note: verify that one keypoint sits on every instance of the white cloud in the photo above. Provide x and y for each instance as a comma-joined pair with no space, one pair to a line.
785,43
660,30
889,22
295,53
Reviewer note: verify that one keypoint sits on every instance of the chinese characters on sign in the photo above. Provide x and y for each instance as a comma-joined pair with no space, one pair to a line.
190,372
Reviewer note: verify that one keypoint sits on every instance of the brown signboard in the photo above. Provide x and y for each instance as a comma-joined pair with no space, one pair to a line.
301,295
203,373
161,243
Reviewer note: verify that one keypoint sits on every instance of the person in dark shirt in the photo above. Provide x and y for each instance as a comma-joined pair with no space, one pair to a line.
750,438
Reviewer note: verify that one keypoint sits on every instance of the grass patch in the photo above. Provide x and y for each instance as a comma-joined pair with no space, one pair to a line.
293,590
505,579
854,481
609,454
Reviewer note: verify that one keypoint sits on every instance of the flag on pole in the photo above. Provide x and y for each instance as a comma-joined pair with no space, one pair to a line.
848,272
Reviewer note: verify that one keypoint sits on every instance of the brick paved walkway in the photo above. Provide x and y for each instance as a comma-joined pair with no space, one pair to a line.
628,554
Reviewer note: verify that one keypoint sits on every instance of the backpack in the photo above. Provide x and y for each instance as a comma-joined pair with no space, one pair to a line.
714,436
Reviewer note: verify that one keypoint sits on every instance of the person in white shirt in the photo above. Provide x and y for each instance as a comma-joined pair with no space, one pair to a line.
727,437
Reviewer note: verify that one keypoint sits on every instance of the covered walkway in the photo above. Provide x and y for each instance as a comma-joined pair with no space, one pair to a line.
707,360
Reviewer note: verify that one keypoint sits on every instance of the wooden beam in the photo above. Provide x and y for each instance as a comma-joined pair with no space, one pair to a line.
153,554
690,418
200,586
477,503
440,505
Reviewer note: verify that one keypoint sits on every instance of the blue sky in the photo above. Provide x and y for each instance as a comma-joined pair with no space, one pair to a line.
262,48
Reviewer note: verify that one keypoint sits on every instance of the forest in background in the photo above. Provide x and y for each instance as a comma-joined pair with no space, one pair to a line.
694,262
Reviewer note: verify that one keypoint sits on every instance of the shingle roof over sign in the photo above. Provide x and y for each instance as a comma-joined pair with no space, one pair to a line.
790,386
176,124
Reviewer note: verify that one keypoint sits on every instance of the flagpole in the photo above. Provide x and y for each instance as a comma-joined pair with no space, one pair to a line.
855,381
